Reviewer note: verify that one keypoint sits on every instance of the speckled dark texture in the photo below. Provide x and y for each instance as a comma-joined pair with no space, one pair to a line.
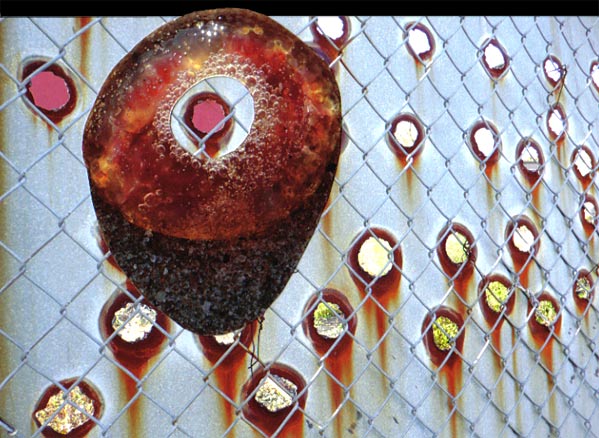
212,287
234,228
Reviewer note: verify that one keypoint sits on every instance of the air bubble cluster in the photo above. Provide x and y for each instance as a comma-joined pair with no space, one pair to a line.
137,165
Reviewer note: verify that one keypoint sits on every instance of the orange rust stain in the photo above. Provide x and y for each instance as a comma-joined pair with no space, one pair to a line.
81,22
497,359
462,285
496,342
377,318
293,429
536,197
130,388
525,274
229,378
452,374
406,165
562,155
340,366
547,358
409,178
419,70
516,388
328,226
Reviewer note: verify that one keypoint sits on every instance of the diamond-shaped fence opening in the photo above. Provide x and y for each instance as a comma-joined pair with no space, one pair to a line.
437,197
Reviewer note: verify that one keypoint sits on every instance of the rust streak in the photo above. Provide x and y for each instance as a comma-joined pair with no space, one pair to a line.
452,374
84,42
340,367
229,378
516,387
130,389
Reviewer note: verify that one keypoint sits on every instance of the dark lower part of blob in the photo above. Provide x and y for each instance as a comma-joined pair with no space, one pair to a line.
212,287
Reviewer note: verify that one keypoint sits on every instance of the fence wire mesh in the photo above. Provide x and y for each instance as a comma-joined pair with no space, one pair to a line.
55,278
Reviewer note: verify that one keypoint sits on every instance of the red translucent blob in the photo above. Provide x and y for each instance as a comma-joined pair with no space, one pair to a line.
531,170
491,316
268,422
88,390
494,58
457,270
52,90
437,355
321,344
519,257
415,35
476,141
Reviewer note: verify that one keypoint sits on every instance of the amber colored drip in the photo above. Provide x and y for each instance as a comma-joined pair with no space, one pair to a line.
81,22
463,285
419,70
327,224
516,388
378,316
491,172
536,197
228,379
377,319
130,387
496,342
452,374
231,369
340,367
497,359
524,275
562,154
409,176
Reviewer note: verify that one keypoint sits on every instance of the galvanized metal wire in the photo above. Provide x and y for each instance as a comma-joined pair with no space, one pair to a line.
504,390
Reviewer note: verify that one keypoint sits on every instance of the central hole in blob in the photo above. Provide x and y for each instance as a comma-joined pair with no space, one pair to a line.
213,117
206,113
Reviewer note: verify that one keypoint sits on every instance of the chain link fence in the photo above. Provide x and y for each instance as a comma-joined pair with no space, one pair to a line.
55,279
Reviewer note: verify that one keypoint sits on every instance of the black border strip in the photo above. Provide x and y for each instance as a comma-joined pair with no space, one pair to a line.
62,8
